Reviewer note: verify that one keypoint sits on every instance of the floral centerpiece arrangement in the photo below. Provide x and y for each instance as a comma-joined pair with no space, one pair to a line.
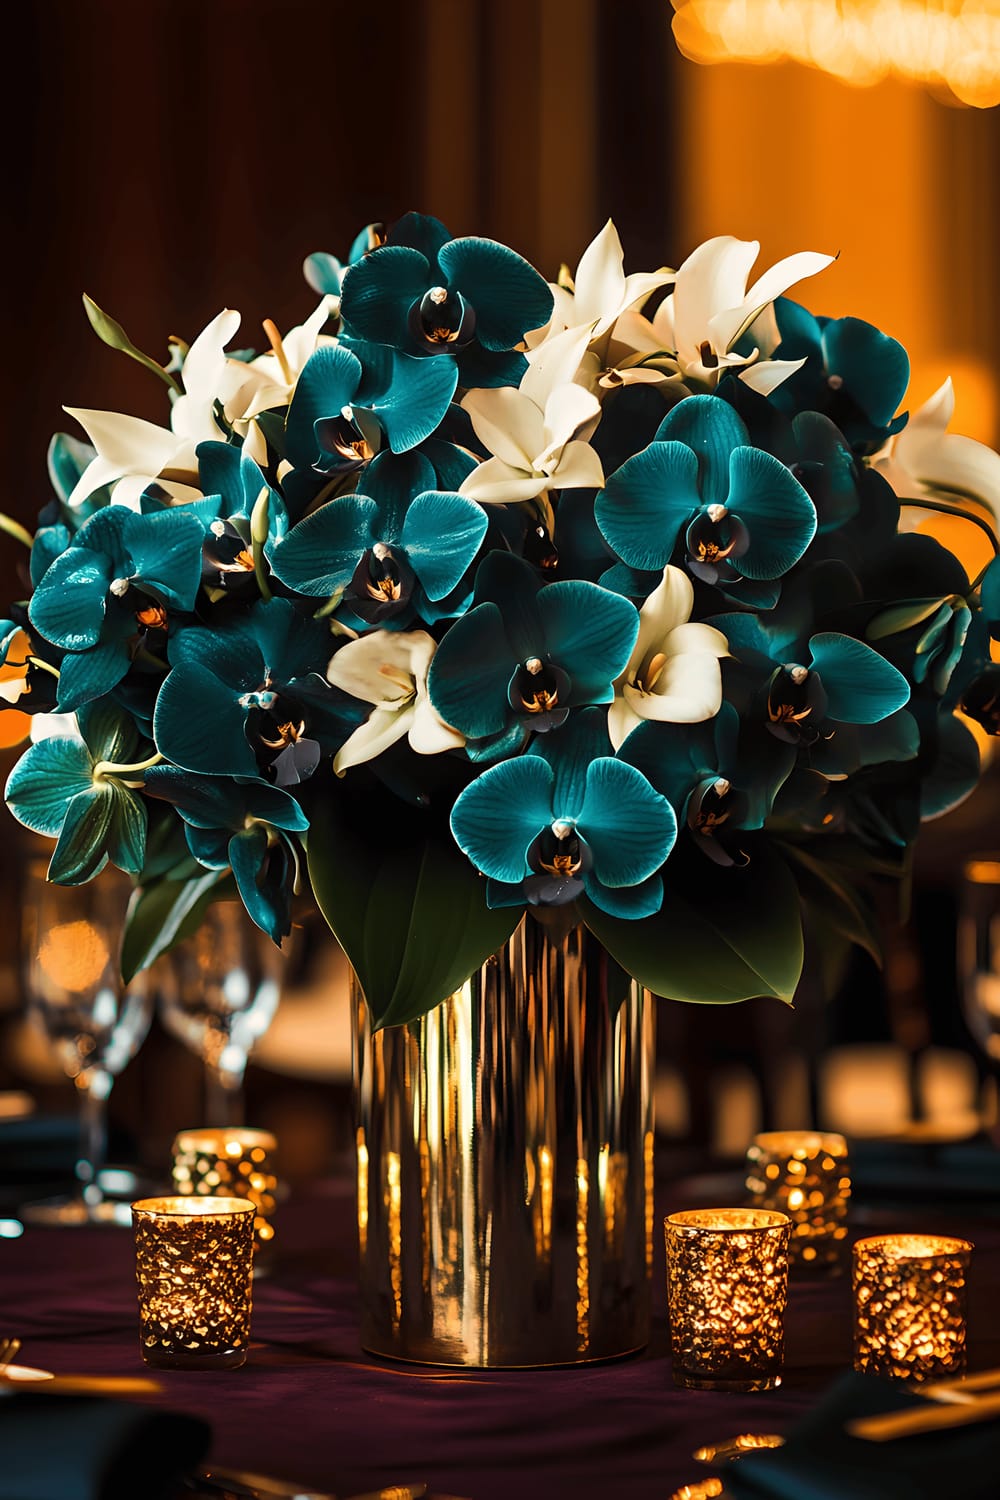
474,594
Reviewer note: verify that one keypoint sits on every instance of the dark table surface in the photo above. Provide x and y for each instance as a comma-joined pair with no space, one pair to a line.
311,1406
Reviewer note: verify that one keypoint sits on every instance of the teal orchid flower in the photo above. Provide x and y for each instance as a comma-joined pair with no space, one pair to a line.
350,400
427,294
248,698
401,546
822,691
238,501
720,777
853,373
244,826
527,653
565,821
122,575
83,793
737,512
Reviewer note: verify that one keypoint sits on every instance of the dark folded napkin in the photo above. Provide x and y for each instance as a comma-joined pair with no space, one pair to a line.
820,1461
83,1448
38,1148
907,1171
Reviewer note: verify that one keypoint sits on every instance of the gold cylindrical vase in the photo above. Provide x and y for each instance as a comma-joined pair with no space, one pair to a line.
505,1158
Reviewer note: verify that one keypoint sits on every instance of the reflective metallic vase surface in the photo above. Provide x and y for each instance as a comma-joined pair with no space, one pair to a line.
505,1164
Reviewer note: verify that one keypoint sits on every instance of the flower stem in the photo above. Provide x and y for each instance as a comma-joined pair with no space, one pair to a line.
963,515
16,530
112,768
43,666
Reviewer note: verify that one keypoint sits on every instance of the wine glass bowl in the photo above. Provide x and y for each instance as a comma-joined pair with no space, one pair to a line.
979,964
71,939
218,992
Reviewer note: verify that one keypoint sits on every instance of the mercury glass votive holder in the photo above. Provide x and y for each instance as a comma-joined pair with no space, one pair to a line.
194,1270
233,1161
806,1175
909,1305
727,1285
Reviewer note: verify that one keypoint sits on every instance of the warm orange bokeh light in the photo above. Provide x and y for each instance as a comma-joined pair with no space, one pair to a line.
951,46
14,726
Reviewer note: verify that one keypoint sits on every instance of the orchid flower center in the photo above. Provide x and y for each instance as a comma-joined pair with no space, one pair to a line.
537,687
710,539
442,319
714,809
384,583
118,587
153,617
288,733
787,702
560,851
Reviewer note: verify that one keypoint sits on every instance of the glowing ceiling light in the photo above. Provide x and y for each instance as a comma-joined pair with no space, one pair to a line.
951,45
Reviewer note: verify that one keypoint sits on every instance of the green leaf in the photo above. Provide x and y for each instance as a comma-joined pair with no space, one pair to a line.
272,425
834,896
164,913
722,935
114,335
410,912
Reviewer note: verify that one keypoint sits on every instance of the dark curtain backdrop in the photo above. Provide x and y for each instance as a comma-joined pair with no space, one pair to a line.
175,158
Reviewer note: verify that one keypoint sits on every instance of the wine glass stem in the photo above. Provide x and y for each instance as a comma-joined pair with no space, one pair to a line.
94,1086
223,1097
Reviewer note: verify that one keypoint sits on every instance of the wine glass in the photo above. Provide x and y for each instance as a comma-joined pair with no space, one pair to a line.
71,940
218,992
979,965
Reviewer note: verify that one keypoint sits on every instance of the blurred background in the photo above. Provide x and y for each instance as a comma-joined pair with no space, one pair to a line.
172,159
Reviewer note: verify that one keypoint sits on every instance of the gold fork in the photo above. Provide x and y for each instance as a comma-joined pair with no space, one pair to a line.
8,1350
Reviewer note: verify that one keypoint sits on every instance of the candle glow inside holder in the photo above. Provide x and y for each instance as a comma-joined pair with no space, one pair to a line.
806,1175
194,1272
727,1285
232,1162
909,1305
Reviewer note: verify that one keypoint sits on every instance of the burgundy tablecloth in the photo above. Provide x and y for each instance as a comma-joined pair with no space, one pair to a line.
311,1406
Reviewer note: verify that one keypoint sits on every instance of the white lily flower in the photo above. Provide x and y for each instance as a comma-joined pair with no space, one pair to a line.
673,674
269,381
388,668
926,460
711,307
537,433
132,453
600,291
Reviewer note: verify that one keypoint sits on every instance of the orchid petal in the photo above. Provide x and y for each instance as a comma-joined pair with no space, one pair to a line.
497,817
630,828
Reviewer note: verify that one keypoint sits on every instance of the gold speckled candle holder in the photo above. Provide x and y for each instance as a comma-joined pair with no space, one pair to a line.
727,1284
233,1161
909,1305
194,1269
806,1175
